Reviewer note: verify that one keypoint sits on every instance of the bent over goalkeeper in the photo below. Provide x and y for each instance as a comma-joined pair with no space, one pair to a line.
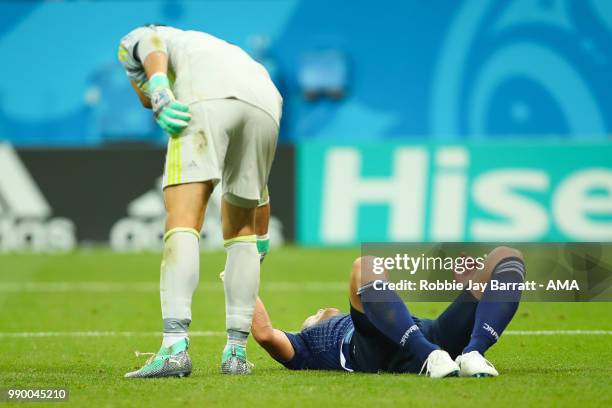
221,113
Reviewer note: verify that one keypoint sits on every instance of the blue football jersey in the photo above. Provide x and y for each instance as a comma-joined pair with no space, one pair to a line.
323,346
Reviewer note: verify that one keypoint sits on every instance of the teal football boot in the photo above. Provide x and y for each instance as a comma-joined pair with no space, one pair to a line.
172,361
234,361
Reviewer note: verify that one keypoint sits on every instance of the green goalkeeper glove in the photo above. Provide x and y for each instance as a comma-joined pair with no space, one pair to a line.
171,115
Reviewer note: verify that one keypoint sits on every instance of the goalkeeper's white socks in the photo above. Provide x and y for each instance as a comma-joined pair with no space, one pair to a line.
241,285
171,338
180,273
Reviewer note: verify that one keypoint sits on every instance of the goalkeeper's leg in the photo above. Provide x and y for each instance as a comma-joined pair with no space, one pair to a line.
246,167
185,204
180,268
241,283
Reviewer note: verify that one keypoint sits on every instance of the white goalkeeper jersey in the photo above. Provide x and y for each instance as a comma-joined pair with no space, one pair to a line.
203,67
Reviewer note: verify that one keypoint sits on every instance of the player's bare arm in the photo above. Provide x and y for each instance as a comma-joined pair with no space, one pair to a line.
274,341
172,115
144,99
156,62
452,344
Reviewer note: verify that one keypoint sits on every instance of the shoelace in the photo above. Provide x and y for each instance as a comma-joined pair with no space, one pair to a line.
485,360
430,360
149,360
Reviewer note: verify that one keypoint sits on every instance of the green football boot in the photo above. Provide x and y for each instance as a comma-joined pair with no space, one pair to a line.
234,360
172,361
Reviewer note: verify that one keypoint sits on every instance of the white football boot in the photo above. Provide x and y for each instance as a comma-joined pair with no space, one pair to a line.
473,364
439,364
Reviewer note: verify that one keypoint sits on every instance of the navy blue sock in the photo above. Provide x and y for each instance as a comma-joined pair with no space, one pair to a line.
388,313
496,308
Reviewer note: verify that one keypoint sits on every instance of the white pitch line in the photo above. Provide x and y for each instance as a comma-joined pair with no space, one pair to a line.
104,334
77,287
558,332
222,333
107,287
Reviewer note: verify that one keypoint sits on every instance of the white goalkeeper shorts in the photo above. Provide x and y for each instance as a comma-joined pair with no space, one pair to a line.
227,140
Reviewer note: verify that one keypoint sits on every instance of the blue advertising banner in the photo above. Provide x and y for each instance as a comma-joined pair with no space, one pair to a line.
449,70
515,191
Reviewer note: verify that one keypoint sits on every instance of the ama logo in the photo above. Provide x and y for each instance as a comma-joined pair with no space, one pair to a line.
25,215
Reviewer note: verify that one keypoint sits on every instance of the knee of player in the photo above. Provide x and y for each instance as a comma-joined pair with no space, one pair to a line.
176,219
362,272
356,269
501,253
504,256
509,252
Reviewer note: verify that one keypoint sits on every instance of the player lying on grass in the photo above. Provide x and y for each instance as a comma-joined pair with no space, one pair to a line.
221,113
380,334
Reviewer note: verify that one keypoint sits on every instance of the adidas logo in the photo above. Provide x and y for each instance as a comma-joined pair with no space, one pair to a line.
25,222
143,228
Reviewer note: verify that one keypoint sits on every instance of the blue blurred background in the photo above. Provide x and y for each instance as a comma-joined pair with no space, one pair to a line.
349,70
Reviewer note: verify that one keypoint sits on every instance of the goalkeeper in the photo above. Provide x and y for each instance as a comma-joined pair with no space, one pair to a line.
221,113
380,334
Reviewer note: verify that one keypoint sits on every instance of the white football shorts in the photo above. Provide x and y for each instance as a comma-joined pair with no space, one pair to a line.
227,140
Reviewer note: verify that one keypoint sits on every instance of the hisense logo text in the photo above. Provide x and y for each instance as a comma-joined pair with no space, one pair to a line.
428,196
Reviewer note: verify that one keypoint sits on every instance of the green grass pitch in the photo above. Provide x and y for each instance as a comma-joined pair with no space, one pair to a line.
99,291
